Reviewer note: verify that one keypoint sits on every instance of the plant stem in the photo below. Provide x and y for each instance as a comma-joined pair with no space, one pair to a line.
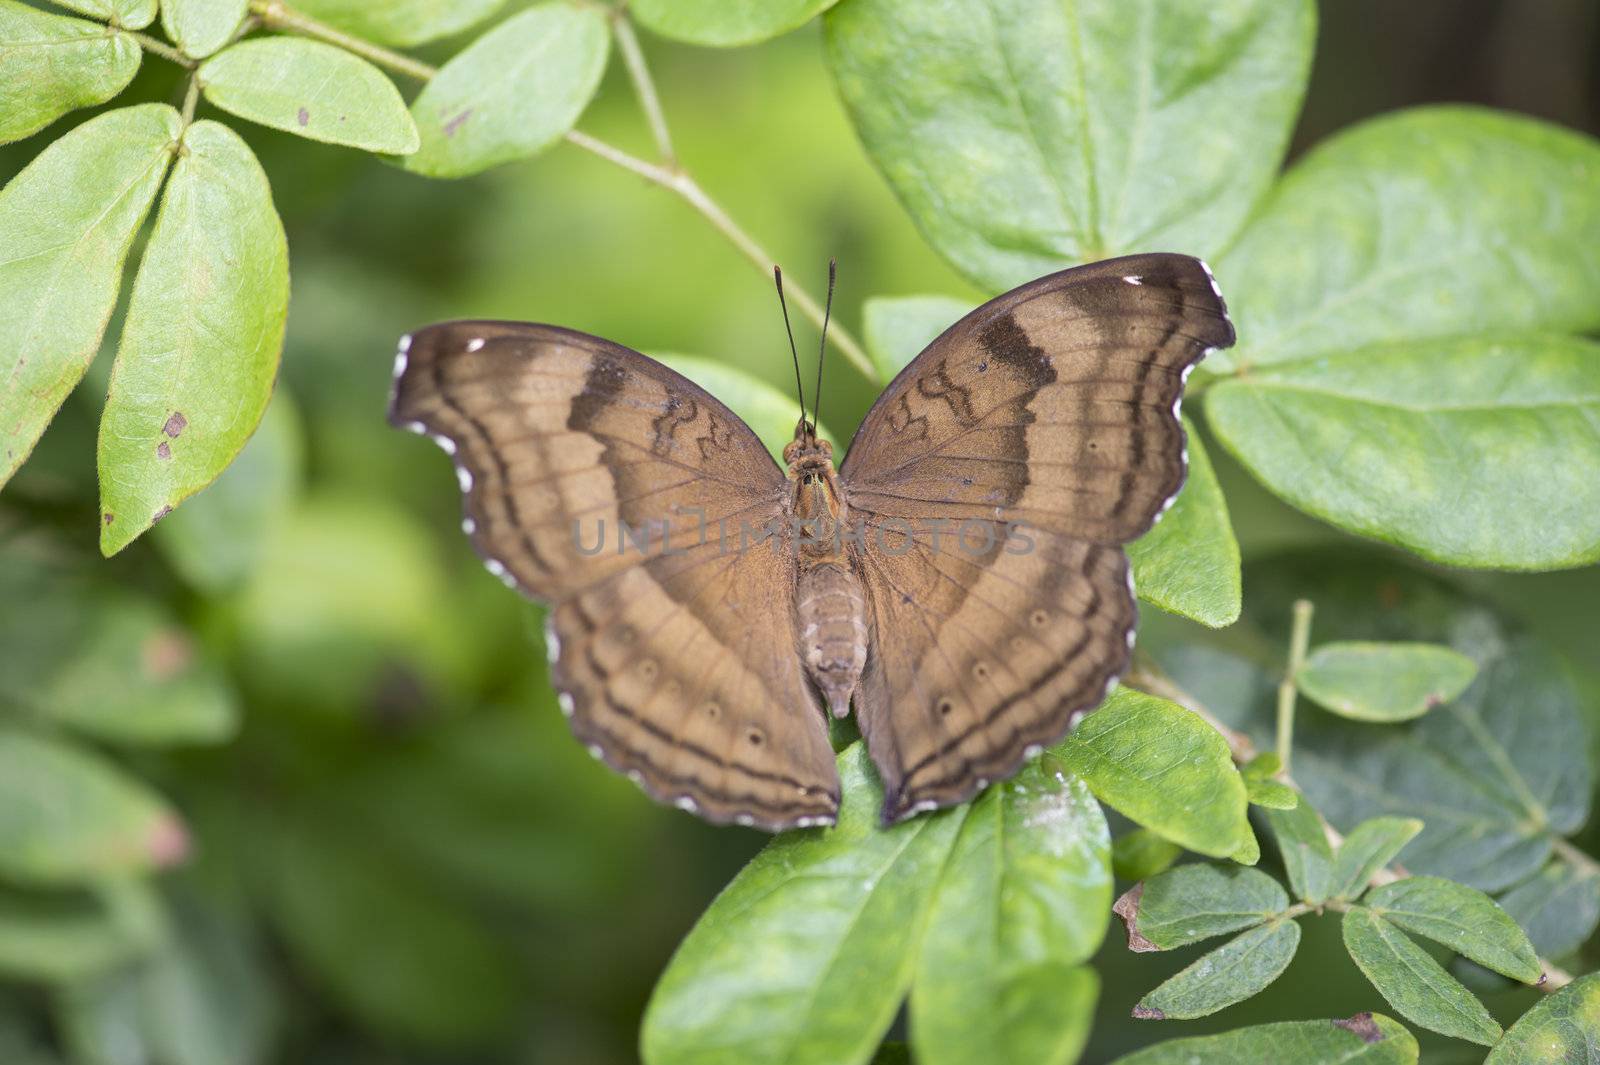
668,174
191,98
1299,641
280,16
162,49
643,85
1150,678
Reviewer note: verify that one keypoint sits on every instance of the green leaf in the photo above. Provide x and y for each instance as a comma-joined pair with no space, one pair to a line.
311,89
50,64
401,22
1369,847
1307,857
1029,134
1263,790
724,23
1164,768
1412,982
1140,854
68,816
60,938
129,14
807,954
1429,444
897,328
1235,971
1384,681
1560,1028
1559,907
219,537
513,92
383,944
1189,563
772,413
200,27
1427,223
200,349
1462,918
1020,906
66,223
1198,901
1365,1039
204,999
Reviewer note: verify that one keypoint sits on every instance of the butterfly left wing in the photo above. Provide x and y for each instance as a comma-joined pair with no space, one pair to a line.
673,650
1044,425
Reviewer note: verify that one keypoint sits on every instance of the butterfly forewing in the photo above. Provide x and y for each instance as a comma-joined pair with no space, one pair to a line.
614,489
1053,408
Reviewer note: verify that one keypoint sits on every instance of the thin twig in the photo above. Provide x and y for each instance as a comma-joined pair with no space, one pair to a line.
162,49
280,16
191,99
668,175
1150,678
643,85
1299,642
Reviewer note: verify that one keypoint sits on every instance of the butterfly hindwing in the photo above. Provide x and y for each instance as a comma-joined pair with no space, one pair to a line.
1051,411
612,488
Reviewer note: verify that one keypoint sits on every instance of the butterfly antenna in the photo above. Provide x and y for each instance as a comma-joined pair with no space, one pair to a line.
777,278
822,353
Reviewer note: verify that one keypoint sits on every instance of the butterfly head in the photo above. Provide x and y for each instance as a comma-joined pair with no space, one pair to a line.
807,453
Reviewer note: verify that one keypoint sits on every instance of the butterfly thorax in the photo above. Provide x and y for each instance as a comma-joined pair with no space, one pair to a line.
830,606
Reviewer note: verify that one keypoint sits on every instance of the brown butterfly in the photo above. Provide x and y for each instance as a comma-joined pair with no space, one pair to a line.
960,579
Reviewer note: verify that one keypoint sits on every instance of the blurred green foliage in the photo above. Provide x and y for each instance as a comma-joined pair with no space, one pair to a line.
285,781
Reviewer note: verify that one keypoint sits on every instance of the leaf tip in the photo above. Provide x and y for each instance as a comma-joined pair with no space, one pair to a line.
1127,908
168,842
1141,1012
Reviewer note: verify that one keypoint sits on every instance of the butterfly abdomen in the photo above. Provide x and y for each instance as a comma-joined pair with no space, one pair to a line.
832,614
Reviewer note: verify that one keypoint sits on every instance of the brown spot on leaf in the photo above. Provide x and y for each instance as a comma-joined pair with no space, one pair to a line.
163,450
455,124
175,424
1145,1013
158,515
304,117
1362,1025
1127,908
108,517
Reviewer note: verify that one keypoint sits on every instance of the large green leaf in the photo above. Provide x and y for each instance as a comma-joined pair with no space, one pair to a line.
1431,222
1020,907
1560,1029
1369,847
313,90
401,22
1189,563
1231,973
725,22
1026,134
200,27
50,64
200,349
513,92
66,223
218,538
1166,769
69,816
1414,984
1198,901
1384,681
1478,451
1462,918
129,14
772,413
1365,1039
837,914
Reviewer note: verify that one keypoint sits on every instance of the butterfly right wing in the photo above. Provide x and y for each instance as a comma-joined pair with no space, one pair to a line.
673,647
